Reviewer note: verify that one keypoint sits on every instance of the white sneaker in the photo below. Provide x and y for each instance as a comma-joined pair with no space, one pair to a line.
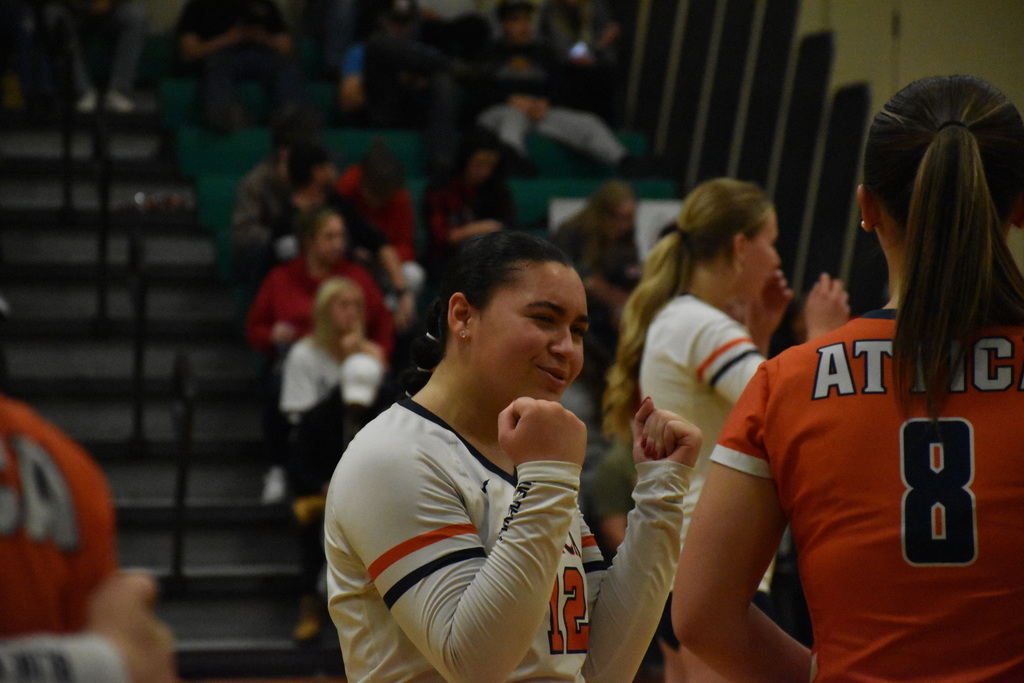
87,103
119,102
275,487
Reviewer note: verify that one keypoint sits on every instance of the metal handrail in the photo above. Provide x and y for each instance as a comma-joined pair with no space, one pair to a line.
140,296
183,413
103,164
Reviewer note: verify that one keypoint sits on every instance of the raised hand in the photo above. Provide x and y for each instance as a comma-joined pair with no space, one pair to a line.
534,429
662,435
827,306
122,611
765,313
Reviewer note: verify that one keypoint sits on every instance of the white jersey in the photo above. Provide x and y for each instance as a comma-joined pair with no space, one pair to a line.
696,362
443,566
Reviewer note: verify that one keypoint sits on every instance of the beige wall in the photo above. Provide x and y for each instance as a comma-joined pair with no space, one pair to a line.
984,38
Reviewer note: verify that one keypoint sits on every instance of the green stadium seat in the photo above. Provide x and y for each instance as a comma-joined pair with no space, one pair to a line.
554,160
157,61
180,101
200,150
215,200
352,143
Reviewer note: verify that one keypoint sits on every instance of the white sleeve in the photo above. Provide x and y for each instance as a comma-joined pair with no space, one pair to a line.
630,596
298,380
60,659
726,357
472,613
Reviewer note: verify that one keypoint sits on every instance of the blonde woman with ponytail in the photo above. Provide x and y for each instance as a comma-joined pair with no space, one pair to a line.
698,325
891,447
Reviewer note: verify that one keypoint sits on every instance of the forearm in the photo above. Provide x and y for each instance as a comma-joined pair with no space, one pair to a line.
749,646
193,48
503,598
631,596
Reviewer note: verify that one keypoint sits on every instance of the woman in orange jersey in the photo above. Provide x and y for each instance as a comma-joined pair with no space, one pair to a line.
698,325
891,446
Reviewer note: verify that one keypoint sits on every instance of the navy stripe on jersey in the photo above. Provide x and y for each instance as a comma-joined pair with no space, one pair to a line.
410,404
595,566
732,361
414,577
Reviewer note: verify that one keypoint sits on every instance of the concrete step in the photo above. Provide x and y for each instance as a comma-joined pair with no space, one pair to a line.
186,301
47,249
150,481
265,540
21,143
64,360
112,420
47,193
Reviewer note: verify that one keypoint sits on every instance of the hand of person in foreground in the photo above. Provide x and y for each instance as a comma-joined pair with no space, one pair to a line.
661,435
122,612
535,429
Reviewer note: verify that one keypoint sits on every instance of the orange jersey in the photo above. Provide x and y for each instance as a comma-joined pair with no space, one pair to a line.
910,535
57,535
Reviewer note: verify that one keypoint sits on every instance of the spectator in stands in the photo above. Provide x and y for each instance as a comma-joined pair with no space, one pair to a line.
600,241
329,382
376,187
281,314
225,43
263,195
125,23
585,37
473,199
458,28
21,48
58,562
401,82
313,177
521,83
338,25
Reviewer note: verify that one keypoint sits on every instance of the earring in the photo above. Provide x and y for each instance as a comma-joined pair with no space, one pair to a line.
463,334
863,227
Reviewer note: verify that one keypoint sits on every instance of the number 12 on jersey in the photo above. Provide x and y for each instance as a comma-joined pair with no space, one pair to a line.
569,627
939,512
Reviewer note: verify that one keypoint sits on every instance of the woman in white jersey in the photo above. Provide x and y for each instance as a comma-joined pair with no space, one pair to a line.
698,325
455,544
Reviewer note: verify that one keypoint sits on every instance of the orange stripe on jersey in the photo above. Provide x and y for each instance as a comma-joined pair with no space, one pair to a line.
718,352
589,541
406,548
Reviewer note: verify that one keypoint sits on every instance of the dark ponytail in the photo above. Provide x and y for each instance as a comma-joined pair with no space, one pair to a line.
479,267
945,157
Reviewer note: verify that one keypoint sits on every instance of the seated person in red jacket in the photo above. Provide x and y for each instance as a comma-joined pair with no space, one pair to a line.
313,177
376,187
473,199
280,315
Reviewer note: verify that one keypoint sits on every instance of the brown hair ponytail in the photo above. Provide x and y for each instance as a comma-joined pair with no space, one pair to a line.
946,158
